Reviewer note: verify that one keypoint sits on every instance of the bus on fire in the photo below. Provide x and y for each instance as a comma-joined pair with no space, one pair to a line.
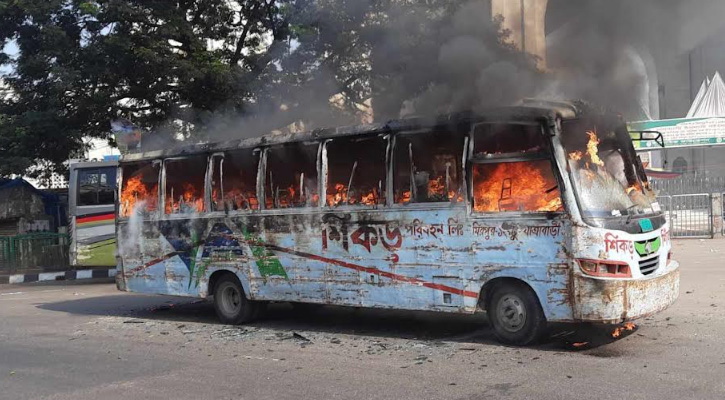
538,213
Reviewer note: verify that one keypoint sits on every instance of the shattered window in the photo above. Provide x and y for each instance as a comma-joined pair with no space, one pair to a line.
185,185
234,181
428,167
356,171
291,176
140,189
526,186
607,175
493,139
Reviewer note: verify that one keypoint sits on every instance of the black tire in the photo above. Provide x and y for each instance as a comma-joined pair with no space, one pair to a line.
516,315
231,304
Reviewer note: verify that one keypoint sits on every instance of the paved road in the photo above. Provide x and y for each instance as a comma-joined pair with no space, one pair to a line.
88,341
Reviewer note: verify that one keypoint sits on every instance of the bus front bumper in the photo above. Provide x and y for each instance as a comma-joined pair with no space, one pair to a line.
617,301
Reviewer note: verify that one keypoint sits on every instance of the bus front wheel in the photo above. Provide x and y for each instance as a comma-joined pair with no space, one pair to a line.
516,315
230,303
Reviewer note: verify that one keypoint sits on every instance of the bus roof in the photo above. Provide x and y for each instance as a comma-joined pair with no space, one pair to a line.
92,164
529,110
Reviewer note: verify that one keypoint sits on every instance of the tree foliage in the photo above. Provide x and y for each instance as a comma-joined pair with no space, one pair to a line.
194,67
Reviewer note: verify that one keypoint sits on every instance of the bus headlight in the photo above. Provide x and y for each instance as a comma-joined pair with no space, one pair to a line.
605,269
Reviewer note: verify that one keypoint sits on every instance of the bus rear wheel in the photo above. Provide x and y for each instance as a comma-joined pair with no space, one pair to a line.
516,315
230,303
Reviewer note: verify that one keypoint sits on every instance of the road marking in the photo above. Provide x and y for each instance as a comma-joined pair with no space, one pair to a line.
35,291
261,358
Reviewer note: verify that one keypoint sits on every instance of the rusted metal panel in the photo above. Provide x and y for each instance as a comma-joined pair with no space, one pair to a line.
615,301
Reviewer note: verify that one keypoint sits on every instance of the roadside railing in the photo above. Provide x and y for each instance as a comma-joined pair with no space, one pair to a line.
689,185
42,251
690,215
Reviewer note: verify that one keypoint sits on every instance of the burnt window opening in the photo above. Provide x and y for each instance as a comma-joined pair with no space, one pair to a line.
428,167
139,189
291,177
522,186
234,181
598,145
497,139
607,175
356,171
96,186
185,185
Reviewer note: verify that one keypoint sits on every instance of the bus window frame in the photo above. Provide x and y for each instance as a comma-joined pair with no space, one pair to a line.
413,206
546,154
119,189
162,187
389,201
262,179
208,189
209,176
76,182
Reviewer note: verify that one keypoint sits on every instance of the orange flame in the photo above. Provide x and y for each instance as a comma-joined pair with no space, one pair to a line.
576,156
188,202
338,195
635,187
135,191
436,187
627,327
593,148
237,199
437,190
369,199
523,186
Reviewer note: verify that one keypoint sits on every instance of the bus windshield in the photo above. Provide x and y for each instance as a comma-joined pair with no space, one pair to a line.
607,174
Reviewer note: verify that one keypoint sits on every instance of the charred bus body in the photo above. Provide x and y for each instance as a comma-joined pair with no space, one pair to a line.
535,214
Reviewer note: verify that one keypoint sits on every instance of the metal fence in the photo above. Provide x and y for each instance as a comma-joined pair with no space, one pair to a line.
691,184
41,251
690,215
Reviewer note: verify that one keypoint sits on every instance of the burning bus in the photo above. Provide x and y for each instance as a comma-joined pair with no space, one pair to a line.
534,214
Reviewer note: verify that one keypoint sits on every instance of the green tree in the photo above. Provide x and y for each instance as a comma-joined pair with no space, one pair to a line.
161,64
192,68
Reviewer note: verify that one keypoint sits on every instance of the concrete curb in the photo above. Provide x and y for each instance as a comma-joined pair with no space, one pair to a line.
58,276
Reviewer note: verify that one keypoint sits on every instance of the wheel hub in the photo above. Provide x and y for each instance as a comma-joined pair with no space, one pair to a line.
511,313
231,300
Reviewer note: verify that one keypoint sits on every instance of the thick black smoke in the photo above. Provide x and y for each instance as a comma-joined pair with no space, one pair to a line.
434,57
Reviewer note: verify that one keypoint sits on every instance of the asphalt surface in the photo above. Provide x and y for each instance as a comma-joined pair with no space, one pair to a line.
88,341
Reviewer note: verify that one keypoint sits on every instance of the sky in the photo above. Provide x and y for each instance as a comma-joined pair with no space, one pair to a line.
10,48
